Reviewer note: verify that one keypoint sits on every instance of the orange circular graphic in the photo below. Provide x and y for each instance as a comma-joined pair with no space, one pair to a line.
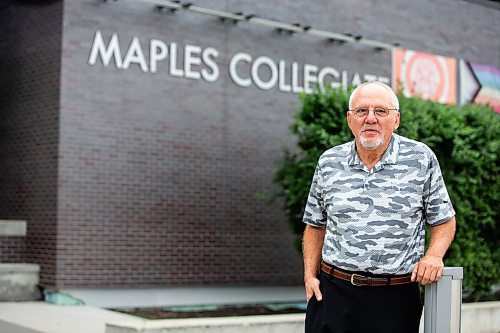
425,76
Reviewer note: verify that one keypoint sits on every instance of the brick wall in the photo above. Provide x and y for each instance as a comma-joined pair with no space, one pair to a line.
30,40
158,175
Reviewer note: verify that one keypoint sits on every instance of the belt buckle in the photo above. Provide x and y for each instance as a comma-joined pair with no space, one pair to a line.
352,279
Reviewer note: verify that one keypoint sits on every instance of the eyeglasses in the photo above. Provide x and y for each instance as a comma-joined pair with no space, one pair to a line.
379,111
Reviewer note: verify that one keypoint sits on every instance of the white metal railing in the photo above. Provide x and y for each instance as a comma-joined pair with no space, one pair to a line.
443,302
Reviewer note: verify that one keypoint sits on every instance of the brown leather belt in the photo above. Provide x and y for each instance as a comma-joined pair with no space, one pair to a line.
361,280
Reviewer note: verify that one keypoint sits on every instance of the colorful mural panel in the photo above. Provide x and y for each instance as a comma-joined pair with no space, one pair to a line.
479,84
426,75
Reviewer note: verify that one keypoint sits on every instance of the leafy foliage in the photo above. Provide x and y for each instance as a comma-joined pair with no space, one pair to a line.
466,142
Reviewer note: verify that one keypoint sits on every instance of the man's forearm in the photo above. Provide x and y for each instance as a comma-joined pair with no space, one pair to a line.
430,268
441,237
312,243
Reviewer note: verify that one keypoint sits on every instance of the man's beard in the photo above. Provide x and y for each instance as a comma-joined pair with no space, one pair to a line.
372,144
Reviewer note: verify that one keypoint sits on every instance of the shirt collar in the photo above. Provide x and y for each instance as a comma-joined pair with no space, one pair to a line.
390,155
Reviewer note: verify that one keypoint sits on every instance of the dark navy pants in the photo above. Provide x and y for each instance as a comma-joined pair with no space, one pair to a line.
361,309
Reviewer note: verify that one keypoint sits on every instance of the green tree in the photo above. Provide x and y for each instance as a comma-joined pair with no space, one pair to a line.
466,142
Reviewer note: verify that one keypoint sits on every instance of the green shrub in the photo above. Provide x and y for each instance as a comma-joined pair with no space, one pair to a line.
466,142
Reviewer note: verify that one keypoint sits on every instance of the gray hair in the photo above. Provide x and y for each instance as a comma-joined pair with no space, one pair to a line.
395,101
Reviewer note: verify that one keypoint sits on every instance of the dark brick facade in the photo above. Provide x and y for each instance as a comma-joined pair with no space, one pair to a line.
30,44
132,178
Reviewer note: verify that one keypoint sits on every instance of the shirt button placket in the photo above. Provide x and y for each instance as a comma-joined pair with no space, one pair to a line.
367,180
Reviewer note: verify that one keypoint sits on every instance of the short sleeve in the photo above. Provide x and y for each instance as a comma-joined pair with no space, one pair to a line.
437,203
314,213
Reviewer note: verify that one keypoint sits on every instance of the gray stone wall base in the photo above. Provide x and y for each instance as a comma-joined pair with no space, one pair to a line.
13,228
289,323
19,282
481,317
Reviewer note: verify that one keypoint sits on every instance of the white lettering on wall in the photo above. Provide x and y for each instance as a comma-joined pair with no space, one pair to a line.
174,71
282,78
296,88
112,50
356,80
191,57
195,62
384,79
157,51
238,57
328,71
208,56
135,55
256,76
310,78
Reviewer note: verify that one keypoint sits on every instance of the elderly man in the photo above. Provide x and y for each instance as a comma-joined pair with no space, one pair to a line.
364,239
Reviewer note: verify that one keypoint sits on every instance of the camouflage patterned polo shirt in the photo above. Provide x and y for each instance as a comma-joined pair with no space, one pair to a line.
375,218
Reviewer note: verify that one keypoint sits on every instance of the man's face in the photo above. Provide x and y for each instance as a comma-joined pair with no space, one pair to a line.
372,132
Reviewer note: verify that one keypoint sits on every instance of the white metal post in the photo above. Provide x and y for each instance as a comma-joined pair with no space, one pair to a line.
443,302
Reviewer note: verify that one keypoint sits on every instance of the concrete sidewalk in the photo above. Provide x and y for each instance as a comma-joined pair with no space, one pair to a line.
41,317
6,327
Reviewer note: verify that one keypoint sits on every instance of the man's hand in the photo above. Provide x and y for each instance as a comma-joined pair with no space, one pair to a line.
312,288
311,246
429,269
